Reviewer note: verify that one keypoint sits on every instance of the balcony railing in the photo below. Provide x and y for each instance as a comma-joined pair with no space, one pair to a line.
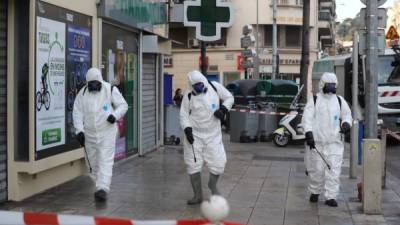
325,16
327,6
289,2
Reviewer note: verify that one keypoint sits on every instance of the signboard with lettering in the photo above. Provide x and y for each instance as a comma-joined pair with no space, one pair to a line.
281,61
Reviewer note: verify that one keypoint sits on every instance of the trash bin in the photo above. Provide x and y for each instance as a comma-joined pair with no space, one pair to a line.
267,124
244,91
243,127
278,91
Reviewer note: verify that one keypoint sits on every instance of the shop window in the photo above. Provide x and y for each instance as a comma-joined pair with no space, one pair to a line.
293,36
265,76
120,62
289,76
179,37
21,81
230,76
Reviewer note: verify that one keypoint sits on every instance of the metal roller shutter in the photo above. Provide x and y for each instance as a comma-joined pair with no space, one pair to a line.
3,101
149,103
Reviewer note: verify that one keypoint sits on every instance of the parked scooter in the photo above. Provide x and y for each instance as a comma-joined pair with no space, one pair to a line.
290,127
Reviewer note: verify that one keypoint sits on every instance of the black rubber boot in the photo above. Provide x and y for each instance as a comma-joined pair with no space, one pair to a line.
100,195
212,184
195,180
331,203
314,197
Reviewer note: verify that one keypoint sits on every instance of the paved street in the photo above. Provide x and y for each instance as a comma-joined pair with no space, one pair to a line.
263,184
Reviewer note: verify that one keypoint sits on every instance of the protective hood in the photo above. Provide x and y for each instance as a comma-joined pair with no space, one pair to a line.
93,74
327,78
195,77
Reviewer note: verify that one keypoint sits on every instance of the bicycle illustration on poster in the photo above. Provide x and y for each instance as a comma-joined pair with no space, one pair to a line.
50,83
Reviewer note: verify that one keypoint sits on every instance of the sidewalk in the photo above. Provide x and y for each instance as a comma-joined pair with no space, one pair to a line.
264,185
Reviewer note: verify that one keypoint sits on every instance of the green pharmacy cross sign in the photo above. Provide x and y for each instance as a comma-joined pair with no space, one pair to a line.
209,17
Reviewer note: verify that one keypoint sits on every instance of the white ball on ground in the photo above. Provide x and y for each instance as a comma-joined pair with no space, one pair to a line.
216,209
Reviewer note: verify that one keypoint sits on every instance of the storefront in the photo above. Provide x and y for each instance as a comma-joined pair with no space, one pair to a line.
120,67
152,101
289,67
149,90
132,44
3,101
53,45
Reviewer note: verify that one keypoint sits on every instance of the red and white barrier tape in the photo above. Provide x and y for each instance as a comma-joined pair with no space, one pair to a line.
393,134
26,218
259,112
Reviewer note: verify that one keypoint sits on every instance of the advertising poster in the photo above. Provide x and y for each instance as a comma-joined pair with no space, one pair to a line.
78,63
50,83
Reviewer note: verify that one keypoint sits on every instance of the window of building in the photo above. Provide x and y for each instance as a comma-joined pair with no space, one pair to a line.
289,76
268,35
222,41
230,76
293,36
179,37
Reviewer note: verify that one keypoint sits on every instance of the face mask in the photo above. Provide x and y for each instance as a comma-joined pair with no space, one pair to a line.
198,88
329,88
94,86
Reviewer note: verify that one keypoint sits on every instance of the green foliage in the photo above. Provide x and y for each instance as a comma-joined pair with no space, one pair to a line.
345,29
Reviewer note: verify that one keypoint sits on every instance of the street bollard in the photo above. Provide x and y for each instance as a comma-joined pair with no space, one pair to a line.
372,177
353,150
384,134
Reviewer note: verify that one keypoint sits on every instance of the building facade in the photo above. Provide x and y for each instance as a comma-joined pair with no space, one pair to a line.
46,48
224,55
327,26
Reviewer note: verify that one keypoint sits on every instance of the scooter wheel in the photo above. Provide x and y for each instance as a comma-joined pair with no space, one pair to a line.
281,140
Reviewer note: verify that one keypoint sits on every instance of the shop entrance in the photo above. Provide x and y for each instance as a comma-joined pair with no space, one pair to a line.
120,49
149,99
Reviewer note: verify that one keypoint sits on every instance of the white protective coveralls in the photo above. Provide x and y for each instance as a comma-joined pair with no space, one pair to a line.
198,113
324,120
91,110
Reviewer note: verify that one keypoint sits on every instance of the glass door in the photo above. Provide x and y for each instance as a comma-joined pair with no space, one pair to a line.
120,68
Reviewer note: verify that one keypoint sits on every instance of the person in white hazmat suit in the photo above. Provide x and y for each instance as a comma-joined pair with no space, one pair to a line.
97,107
200,116
326,118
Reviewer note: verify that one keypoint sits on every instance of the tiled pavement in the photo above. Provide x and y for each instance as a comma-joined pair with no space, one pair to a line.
264,185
